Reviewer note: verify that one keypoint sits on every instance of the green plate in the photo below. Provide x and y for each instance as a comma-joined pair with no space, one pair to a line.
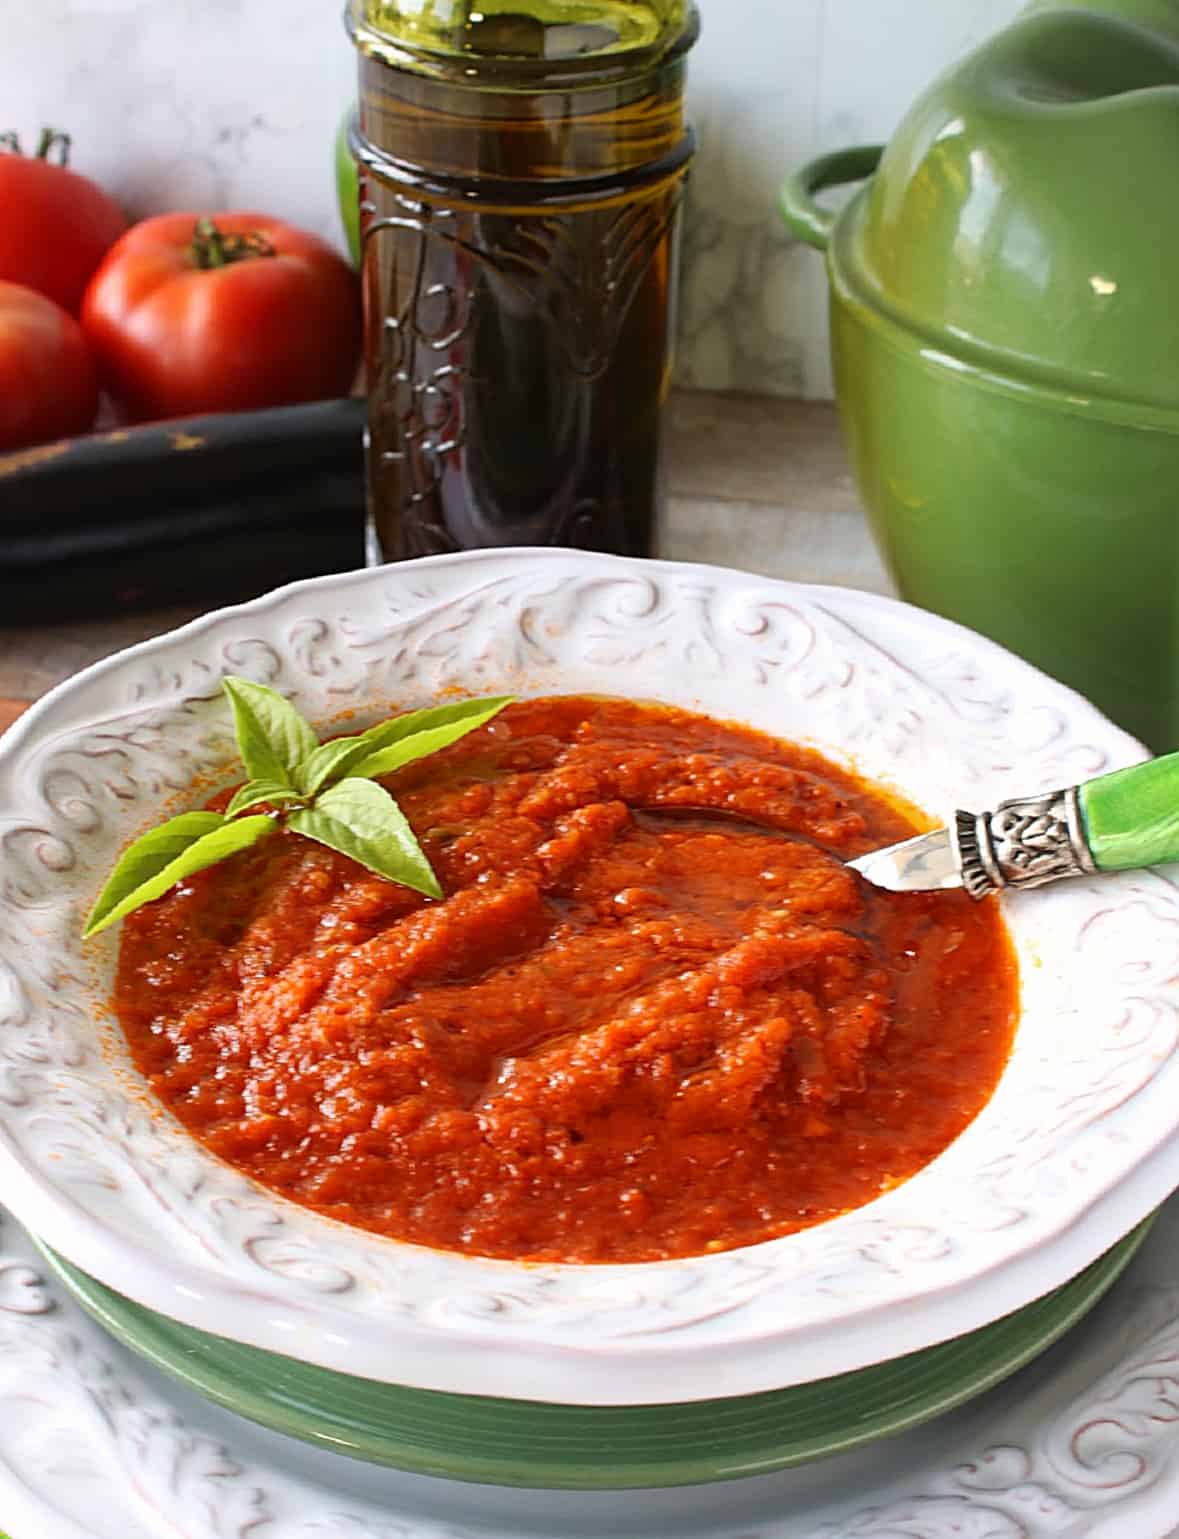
524,1443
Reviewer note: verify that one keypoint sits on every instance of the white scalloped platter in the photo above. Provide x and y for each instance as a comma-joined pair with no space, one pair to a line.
1084,1444
1079,1143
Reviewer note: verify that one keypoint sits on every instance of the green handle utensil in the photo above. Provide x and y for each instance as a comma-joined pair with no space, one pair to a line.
1131,818
1120,822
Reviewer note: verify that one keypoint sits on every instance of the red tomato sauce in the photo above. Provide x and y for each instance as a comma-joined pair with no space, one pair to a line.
654,1016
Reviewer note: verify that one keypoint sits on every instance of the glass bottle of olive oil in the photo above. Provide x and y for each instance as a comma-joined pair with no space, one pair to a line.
522,169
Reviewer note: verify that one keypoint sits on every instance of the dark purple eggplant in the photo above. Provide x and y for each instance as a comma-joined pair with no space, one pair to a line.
208,509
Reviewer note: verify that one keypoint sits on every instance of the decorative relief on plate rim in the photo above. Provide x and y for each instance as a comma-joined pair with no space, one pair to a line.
904,697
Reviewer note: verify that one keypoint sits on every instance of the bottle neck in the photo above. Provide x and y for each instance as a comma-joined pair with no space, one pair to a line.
523,121
537,44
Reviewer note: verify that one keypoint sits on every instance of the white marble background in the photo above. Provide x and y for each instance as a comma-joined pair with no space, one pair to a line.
223,103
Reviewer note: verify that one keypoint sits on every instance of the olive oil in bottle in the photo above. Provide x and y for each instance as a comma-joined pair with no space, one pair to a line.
522,170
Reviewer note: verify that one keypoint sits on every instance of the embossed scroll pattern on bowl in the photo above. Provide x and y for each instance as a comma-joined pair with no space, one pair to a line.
1077,1145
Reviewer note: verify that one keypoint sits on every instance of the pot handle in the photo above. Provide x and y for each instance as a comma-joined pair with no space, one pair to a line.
804,218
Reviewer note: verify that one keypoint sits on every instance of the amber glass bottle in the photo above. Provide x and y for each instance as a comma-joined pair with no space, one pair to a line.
522,167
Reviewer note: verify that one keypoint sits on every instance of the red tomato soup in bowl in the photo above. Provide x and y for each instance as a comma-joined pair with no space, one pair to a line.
653,1016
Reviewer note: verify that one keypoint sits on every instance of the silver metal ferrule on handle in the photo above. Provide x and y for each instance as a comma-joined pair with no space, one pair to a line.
1024,843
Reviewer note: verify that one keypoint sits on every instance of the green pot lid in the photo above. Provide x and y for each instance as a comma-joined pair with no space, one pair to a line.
1023,218
1160,15
569,1447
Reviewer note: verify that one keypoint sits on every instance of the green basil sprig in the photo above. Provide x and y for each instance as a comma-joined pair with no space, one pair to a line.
324,791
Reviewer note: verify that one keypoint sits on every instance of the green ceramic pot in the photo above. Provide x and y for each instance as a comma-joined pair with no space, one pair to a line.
347,186
1006,347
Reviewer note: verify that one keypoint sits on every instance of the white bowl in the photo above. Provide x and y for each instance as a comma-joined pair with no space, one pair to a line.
1077,1145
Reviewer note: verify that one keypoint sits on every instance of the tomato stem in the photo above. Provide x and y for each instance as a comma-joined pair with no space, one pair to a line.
212,247
49,141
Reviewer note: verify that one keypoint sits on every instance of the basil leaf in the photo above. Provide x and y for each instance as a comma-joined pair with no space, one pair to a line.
360,819
254,792
425,740
148,855
325,763
474,712
337,759
167,855
271,734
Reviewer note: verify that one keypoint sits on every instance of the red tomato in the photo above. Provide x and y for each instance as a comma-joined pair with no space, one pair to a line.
190,315
55,226
48,387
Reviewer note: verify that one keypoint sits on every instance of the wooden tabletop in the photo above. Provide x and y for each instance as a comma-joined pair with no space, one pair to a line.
754,482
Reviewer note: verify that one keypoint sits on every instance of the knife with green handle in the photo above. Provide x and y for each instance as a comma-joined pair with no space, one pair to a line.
1119,822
